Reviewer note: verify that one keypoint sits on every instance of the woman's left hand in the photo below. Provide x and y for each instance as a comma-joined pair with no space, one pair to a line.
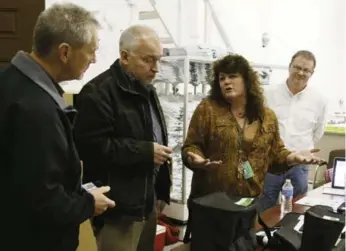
305,157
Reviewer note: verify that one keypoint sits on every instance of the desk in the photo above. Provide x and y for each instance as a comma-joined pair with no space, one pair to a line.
272,215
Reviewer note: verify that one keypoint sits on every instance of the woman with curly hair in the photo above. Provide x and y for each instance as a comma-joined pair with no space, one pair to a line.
232,137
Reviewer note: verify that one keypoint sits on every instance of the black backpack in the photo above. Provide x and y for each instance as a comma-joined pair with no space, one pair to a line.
218,222
321,230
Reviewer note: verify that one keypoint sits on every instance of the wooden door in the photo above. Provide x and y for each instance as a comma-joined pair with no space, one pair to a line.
17,20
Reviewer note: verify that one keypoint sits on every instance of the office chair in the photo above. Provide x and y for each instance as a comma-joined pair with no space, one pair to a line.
322,173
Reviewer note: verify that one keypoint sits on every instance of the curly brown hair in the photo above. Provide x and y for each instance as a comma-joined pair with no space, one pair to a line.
237,64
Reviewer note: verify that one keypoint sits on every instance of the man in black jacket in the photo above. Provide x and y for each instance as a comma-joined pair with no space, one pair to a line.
122,139
43,203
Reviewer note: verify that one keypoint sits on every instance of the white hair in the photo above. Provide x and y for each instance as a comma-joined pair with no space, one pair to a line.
63,23
130,37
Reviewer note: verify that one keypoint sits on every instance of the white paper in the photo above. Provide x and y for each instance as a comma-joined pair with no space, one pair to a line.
299,225
311,201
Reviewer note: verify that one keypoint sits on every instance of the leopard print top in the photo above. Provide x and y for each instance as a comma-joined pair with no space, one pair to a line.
213,134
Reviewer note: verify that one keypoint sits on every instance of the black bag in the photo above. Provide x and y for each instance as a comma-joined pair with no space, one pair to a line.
217,223
282,236
322,227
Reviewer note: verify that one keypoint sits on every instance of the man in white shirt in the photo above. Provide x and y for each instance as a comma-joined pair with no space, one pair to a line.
301,112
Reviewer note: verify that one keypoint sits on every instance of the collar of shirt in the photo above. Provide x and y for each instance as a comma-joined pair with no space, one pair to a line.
39,76
288,91
136,84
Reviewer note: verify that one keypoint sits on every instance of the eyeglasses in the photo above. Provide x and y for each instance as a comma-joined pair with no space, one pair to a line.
304,70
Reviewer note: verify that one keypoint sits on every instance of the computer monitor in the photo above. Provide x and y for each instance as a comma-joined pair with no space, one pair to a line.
339,172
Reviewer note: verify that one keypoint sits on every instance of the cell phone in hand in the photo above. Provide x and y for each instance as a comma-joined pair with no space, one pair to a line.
89,186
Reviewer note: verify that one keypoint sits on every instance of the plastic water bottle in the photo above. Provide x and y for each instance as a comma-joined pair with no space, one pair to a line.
286,197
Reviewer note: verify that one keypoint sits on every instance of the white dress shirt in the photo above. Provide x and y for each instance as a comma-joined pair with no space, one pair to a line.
302,117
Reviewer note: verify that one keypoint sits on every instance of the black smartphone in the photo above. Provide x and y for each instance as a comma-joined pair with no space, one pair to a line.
341,208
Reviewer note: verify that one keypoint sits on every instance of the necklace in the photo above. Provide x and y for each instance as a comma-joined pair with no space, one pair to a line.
239,114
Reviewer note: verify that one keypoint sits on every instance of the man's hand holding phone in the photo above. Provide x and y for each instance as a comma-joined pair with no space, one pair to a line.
102,203
161,154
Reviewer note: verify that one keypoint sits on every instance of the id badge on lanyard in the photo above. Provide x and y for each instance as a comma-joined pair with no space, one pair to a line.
245,169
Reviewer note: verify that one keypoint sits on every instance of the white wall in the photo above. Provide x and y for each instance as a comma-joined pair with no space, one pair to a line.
116,15
315,25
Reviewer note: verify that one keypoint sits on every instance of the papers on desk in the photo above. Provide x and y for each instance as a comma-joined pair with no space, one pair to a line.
299,226
313,201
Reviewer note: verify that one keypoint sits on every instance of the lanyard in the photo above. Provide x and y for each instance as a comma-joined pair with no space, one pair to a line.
240,139
240,134
240,146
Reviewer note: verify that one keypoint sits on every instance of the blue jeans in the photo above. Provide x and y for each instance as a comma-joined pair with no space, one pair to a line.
273,184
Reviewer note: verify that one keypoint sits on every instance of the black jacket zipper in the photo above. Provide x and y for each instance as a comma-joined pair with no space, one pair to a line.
146,176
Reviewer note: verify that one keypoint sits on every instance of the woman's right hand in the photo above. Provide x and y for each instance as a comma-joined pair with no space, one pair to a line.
198,162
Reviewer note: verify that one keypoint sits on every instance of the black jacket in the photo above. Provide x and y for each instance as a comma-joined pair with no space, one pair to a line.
42,204
114,135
